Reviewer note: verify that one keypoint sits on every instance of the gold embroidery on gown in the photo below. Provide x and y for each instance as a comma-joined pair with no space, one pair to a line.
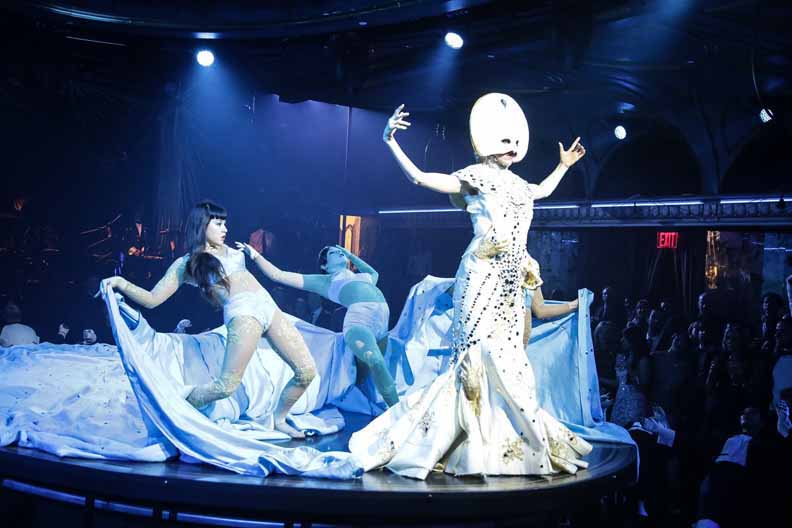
513,450
486,418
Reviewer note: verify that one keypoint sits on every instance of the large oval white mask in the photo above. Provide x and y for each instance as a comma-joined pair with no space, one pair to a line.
498,126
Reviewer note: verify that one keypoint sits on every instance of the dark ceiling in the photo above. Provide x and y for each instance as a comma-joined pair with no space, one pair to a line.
692,73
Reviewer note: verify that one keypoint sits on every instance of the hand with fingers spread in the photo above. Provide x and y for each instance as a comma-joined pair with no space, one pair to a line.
573,155
489,248
395,122
343,250
248,250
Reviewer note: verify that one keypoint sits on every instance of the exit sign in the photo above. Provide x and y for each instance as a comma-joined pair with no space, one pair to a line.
667,239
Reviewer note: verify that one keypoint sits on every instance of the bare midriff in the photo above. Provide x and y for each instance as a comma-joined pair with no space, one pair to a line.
239,282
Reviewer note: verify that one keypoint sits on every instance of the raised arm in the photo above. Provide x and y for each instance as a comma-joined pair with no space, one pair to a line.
548,311
360,264
436,181
567,159
161,292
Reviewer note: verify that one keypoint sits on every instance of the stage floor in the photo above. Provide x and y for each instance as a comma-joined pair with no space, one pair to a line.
176,490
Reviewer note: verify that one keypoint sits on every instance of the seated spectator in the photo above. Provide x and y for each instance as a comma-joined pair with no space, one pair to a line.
672,370
658,455
611,309
88,337
782,370
641,316
629,308
301,309
14,332
726,395
772,309
62,336
709,340
631,367
729,495
655,323
607,337
319,315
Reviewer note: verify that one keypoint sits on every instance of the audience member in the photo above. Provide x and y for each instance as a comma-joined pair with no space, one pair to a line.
182,326
319,315
15,332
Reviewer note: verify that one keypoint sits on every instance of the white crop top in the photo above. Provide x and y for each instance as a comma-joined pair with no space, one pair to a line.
233,261
341,279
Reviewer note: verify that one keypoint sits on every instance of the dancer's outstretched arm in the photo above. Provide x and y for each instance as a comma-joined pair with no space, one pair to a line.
548,311
544,311
436,181
161,292
287,278
567,159
360,264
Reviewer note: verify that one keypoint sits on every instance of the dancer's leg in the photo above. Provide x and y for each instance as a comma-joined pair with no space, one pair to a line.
243,336
290,346
363,344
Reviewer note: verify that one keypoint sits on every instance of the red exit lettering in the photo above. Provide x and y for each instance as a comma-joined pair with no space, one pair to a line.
667,239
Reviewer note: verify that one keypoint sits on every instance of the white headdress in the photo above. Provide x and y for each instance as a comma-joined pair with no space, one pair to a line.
498,126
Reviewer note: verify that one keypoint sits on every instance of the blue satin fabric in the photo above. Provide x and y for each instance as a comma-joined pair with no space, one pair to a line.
127,402
560,351
152,375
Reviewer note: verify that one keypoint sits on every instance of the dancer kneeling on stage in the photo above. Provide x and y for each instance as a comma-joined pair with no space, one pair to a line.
248,311
366,320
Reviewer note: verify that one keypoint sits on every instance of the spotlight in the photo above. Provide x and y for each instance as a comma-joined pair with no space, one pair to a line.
453,40
620,132
205,58
766,115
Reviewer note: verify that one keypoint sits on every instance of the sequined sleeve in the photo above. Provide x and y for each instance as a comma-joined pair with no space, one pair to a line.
472,179
162,291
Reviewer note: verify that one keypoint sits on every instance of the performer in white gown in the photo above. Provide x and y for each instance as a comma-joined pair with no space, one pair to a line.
481,416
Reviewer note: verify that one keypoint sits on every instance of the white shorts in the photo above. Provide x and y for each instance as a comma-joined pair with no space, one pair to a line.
371,315
258,304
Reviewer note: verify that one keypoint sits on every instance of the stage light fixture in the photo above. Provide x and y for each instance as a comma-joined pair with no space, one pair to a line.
766,115
620,132
205,58
453,40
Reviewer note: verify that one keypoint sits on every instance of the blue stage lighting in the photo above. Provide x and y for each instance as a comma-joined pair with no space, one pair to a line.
205,58
620,132
453,40
766,115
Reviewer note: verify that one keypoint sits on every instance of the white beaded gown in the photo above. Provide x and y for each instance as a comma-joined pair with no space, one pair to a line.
499,429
